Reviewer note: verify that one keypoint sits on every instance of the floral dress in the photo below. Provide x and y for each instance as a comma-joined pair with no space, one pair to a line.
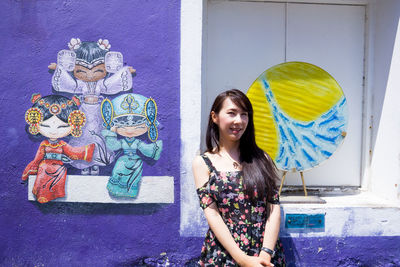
245,221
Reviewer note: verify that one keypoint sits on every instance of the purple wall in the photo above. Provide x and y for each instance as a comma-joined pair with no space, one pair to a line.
368,251
148,35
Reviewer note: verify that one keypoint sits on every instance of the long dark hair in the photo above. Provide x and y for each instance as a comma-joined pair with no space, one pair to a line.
259,171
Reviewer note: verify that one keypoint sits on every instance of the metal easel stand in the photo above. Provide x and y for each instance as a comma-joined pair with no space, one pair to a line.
302,180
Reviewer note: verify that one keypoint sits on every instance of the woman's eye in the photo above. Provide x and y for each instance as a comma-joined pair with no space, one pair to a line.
78,71
99,71
44,125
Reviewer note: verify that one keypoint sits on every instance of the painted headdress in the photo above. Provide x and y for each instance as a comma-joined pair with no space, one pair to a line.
34,115
90,55
130,110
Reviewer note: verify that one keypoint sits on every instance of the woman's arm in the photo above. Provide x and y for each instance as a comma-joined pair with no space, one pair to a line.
217,225
271,230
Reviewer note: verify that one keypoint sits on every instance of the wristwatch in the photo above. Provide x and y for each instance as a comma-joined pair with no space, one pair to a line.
269,251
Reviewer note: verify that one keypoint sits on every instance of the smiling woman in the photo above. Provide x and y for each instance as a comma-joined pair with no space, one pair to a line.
235,183
54,117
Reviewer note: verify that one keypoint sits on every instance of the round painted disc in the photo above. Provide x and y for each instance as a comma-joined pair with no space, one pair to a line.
300,115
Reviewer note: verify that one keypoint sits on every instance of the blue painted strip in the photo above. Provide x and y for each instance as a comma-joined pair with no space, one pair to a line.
326,153
342,102
266,85
299,167
309,125
291,150
275,117
309,142
332,118
309,158
293,136
325,138
283,117
286,163
333,129
283,135
268,98
281,152
326,115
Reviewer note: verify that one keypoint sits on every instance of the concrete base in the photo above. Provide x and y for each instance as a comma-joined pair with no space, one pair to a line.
301,199
92,189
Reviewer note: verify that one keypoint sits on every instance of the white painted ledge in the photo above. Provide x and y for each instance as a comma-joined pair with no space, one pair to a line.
93,189
363,214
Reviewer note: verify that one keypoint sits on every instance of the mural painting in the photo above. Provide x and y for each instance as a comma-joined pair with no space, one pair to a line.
130,116
91,70
300,114
105,131
54,117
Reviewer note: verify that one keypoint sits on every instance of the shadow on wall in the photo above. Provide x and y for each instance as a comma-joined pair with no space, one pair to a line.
98,208
290,250
164,259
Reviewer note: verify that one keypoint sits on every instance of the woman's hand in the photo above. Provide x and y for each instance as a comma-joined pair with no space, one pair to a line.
251,261
267,257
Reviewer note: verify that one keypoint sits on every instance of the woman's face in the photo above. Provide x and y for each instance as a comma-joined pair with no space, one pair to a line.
231,120
54,128
132,131
90,75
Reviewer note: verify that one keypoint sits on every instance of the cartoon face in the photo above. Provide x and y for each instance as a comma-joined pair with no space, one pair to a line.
132,131
90,75
54,128
231,120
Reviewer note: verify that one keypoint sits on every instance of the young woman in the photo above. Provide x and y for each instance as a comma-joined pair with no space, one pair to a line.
54,117
236,184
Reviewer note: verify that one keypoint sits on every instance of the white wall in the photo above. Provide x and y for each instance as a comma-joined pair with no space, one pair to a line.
384,140
385,164
192,218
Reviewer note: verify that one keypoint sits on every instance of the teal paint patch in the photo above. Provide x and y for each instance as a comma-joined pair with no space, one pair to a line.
305,221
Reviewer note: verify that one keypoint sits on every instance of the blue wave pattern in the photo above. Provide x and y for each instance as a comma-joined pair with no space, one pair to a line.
304,145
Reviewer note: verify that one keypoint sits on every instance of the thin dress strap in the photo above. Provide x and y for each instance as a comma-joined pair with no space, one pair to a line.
208,162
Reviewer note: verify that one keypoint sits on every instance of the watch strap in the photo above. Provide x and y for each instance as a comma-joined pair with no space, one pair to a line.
269,251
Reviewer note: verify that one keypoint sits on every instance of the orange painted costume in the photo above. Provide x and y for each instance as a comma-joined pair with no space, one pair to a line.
48,165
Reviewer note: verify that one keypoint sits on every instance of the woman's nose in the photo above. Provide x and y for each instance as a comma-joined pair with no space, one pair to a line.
238,119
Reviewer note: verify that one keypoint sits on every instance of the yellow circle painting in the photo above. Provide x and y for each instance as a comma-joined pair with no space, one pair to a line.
300,114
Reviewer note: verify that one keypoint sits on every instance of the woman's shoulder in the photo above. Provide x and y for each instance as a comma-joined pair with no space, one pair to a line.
200,171
198,162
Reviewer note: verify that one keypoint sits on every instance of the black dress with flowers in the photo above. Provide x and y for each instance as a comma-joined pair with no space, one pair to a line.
245,221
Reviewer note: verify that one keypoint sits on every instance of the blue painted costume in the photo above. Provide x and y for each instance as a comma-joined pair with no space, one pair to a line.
130,115
127,172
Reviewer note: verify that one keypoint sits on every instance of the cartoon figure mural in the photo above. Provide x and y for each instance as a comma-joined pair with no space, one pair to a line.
130,116
54,117
91,70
